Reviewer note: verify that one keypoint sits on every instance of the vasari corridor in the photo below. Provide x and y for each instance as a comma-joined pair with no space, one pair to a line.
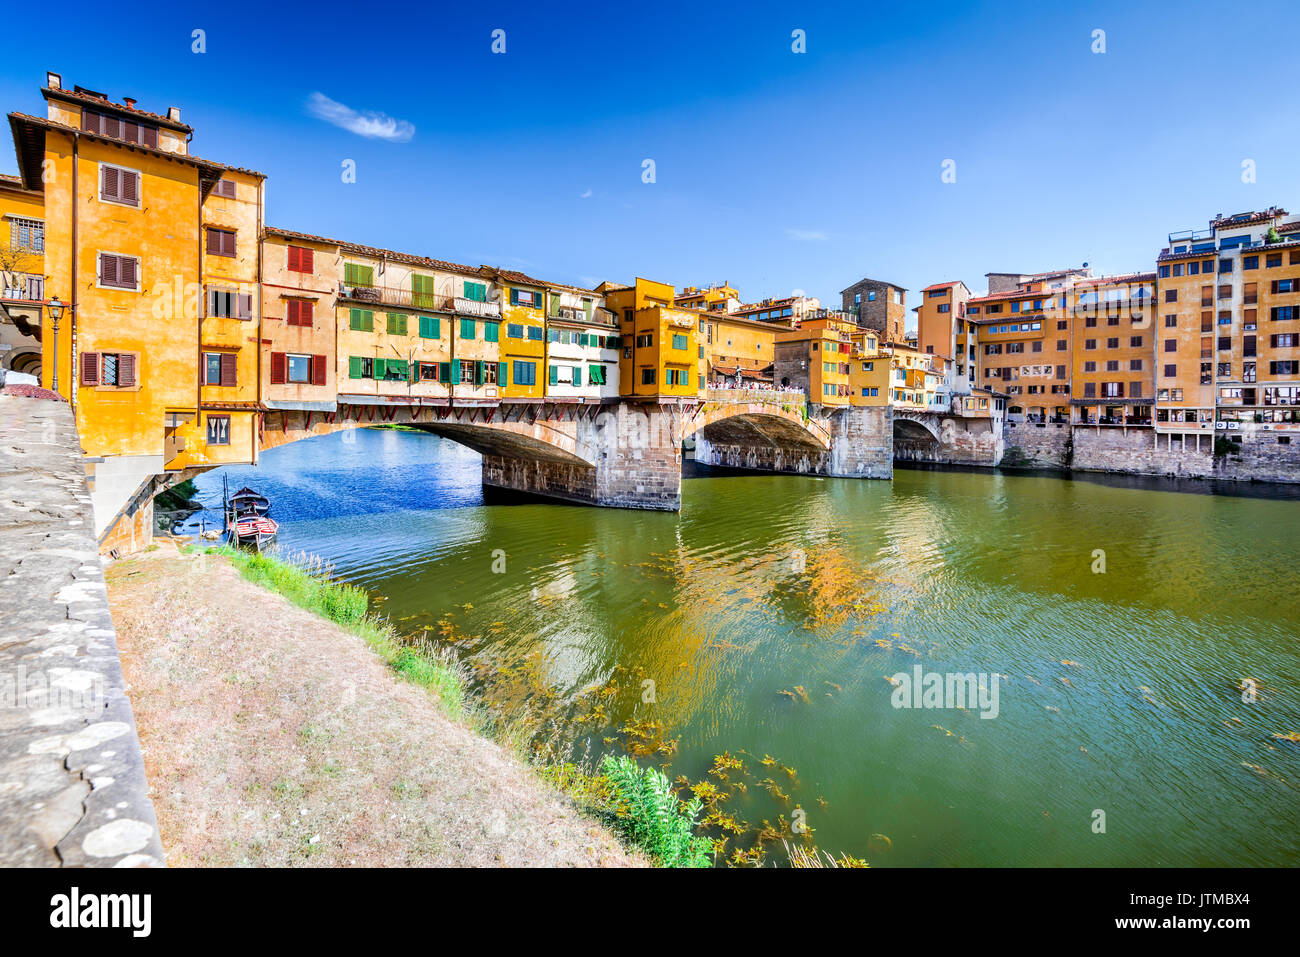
390,478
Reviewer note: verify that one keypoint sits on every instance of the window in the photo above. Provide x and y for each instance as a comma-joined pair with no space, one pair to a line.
1135,342
428,371
647,376
1284,313
298,312
1090,343
115,369
1171,345
1135,365
475,291
225,188
105,124
218,429
359,367
361,320
467,328
396,324
1170,372
27,234
119,272
1284,367
523,297
596,375
514,330
221,242
535,333
1250,262
118,184
430,327
679,341
219,368
1272,260
1171,295
301,259
645,341
1171,322
299,368
525,373
1225,265
354,274
229,304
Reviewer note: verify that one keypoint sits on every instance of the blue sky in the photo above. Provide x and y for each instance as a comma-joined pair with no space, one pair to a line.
775,171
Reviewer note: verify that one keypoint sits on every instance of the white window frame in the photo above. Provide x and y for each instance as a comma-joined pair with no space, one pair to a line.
99,186
139,271
288,357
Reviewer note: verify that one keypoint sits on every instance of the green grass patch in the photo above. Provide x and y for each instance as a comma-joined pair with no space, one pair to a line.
306,582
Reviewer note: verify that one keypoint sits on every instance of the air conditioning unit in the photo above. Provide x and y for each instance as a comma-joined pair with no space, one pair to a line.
1220,425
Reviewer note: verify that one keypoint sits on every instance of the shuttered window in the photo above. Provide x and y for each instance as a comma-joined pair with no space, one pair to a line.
108,369
357,275
596,375
467,328
475,291
119,185
225,188
278,364
396,324
104,124
301,259
422,292
298,312
119,272
491,331
361,320
229,304
221,242
430,327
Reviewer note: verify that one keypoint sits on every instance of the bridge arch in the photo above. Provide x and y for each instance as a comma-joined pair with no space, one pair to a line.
775,423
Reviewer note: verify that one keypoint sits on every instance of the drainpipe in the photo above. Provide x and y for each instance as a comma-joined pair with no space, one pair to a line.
257,392
73,378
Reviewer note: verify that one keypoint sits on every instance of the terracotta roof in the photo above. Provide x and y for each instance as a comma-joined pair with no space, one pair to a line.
1245,219
31,392
81,96
308,237
943,285
1110,280
377,252
15,119
513,275
1289,227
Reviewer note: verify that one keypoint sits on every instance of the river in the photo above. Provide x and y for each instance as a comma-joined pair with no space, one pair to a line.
768,621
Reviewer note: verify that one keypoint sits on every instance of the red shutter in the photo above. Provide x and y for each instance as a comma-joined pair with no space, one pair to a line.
126,370
277,368
228,360
305,260
90,368
317,370
294,311
110,187
295,259
108,269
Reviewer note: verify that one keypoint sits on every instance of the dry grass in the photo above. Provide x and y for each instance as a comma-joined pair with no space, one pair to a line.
273,737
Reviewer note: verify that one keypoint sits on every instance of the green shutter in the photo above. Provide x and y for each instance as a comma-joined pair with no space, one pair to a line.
422,291
429,327
362,320
577,375
358,275
396,324
455,370
475,291
478,371
444,372
381,369
414,372
492,331
354,367
503,374
514,297
467,328
555,375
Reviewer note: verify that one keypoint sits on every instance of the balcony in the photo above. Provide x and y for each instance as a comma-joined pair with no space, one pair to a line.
23,287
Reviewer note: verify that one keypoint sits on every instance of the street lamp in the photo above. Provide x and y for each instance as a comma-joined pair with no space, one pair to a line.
56,313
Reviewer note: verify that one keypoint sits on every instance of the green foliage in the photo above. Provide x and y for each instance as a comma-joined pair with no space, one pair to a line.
651,817
177,497
1273,236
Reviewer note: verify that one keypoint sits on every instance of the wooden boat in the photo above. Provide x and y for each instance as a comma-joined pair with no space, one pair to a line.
247,519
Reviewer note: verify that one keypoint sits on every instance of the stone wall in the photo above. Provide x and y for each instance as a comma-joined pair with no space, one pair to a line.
1026,445
1139,451
72,784
1261,456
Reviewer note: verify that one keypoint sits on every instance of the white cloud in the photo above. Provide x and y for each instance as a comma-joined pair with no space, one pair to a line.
586,195
368,123
807,235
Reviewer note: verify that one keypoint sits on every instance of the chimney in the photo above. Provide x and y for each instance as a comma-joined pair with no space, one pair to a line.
174,113
129,101
54,81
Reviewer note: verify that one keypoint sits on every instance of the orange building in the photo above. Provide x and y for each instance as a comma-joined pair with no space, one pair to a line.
815,358
1113,375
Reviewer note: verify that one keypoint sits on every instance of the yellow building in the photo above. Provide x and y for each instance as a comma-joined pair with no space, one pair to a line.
737,349
661,352
721,298
815,358
22,275
300,280
523,347
126,210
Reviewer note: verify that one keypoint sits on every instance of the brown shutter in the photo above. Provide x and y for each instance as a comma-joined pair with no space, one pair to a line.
108,269
110,187
90,368
90,121
126,370
130,188
214,242
317,370
131,133
228,364
277,368
150,136
126,271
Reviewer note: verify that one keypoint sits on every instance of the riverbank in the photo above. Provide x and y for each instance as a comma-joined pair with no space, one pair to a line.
273,737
